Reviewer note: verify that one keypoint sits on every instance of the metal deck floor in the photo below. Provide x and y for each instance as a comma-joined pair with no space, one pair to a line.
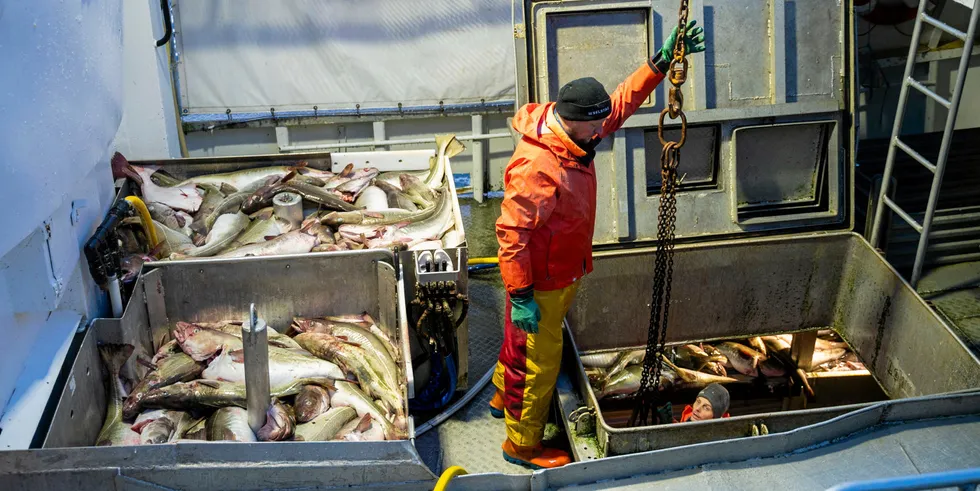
890,451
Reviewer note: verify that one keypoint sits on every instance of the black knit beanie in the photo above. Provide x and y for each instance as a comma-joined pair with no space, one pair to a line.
718,397
583,99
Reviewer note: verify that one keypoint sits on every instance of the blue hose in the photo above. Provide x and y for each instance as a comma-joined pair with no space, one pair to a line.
432,397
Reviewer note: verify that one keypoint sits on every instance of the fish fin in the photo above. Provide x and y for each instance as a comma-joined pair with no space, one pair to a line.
146,363
348,170
289,175
237,356
227,189
210,383
298,166
365,424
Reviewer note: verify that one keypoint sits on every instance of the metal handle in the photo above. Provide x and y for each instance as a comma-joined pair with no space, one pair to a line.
165,9
255,344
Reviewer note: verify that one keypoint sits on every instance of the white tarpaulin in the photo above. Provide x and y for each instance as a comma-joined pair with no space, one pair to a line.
250,55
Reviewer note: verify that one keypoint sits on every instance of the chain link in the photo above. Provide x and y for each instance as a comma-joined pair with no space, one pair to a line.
646,397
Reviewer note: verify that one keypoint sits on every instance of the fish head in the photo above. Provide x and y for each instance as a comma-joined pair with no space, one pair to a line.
185,331
312,401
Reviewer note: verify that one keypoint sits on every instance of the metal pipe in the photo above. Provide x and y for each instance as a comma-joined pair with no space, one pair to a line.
479,159
255,343
896,129
411,141
168,24
115,296
937,181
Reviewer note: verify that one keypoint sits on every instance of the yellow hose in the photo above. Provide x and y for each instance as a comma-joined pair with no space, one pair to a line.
482,260
446,476
148,228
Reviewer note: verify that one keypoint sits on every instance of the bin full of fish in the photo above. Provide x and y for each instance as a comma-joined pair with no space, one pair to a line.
290,209
616,374
331,378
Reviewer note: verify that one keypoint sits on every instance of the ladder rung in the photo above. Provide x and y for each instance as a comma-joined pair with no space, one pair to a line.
915,155
927,91
905,216
944,26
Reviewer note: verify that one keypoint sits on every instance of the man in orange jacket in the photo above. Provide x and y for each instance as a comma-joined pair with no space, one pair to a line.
545,237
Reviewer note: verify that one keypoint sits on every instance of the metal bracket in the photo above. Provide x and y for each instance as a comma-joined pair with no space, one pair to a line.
582,420
436,265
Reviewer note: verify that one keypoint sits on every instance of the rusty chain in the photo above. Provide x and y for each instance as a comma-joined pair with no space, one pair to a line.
647,395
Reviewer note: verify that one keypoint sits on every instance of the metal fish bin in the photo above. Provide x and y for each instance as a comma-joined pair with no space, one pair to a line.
756,287
281,287
335,162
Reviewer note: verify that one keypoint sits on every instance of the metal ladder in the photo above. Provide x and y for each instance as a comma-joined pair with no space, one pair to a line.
940,166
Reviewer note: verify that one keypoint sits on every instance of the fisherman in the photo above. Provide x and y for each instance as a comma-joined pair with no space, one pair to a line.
712,402
545,237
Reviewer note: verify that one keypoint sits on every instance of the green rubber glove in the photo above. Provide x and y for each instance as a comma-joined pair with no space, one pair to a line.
693,41
524,313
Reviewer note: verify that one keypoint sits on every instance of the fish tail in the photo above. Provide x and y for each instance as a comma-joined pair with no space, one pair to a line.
114,356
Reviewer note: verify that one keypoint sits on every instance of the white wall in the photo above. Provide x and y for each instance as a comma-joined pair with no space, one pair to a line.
62,99
149,124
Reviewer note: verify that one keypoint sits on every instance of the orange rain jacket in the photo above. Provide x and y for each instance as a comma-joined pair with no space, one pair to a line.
548,213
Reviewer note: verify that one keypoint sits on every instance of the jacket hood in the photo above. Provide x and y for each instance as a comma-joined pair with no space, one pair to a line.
537,123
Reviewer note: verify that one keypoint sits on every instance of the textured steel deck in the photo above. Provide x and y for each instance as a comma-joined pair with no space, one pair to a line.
889,451
954,291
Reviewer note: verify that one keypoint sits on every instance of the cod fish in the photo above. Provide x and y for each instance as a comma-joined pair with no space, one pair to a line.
437,224
776,344
234,328
311,402
264,224
363,429
742,358
694,357
320,196
295,242
284,367
628,381
420,192
821,356
600,360
449,146
184,197
279,423
229,423
212,198
160,430
757,344
174,220
355,360
384,216
325,426
114,431
353,334
201,343
346,394
211,394
396,197
242,180
174,368
372,198
690,379
225,229
627,358
169,348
